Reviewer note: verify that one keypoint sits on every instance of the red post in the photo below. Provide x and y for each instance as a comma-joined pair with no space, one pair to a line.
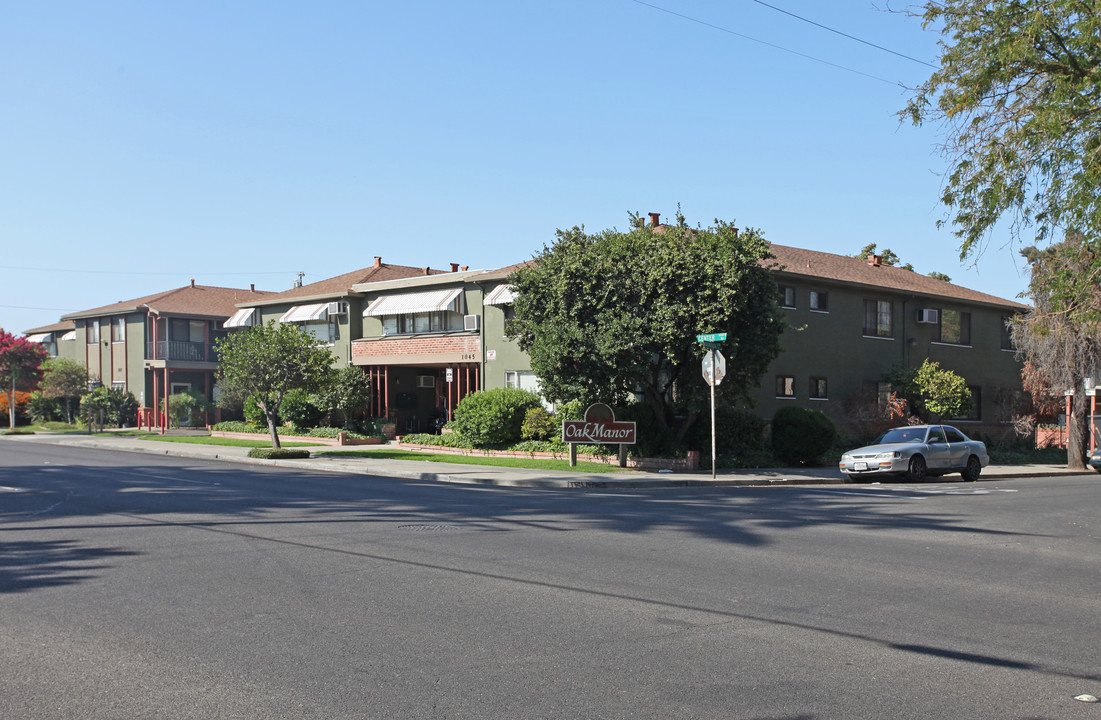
1067,443
1093,411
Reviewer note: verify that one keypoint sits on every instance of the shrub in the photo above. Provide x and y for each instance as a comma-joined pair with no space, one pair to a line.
328,432
42,409
800,435
737,433
299,410
238,426
451,440
538,424
278,453
186,407
493,417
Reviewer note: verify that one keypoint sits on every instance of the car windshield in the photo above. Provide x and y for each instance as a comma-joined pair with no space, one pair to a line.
902,435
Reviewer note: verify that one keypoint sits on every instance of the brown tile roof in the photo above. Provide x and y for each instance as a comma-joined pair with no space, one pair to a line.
196,300
502,273
63,326
858,271
341,285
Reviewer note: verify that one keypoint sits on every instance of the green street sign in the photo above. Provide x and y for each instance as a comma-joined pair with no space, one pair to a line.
713,337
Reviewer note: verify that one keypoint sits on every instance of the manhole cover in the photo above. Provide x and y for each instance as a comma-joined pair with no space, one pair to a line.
429,528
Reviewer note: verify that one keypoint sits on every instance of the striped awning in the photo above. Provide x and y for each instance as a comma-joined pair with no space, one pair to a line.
306,313
408,303
71,335
501,295
245,317
39,337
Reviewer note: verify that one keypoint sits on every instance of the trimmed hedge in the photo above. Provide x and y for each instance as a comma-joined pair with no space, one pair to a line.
800,435
491,418
278,453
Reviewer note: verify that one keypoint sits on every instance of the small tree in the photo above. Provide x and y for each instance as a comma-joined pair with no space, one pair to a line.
347,395
187,406
267,361
95,407
944,393
20,367
930,390
66,380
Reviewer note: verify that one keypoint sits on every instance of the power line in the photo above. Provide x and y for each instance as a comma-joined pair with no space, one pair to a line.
767,44
842,34
140,272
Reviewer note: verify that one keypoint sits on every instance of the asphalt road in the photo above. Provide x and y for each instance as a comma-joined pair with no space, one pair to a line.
139,586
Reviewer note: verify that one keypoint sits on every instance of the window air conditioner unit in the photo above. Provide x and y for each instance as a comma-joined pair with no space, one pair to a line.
338,308
929,316
470,322
426,381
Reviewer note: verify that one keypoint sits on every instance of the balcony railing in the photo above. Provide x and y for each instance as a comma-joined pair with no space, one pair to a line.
183,351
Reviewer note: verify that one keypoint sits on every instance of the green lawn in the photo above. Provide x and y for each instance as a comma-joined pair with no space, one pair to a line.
230,442
526,463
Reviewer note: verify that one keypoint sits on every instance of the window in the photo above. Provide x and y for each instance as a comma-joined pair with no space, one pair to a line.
975,413
819,301
522,380
818,388
326,332
118,330
955,327
787,296
183,330
91,332
426,322
877,319
1007,336
785,386
954,435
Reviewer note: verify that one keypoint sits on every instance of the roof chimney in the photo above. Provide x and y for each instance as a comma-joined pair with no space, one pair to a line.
426,271
465,268
378,261
192,282
252,287
875,260
454,267
655,219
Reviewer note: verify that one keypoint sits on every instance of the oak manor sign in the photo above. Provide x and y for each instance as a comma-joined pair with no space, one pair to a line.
598,428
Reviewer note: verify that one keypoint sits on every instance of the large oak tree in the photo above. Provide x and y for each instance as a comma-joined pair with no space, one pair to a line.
610,315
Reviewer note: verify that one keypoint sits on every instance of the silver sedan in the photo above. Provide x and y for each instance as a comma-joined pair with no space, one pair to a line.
916,452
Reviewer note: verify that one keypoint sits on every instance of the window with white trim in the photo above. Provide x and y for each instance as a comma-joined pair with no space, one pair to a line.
877,318
425,322
785,386
954,327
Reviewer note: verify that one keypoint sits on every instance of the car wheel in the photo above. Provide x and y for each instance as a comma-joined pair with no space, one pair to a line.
916,473
971,472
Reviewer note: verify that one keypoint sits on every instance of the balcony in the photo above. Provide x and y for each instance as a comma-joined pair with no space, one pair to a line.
180,351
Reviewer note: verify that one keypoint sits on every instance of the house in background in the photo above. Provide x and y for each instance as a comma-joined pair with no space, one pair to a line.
330,310
851,319
157,345
59,339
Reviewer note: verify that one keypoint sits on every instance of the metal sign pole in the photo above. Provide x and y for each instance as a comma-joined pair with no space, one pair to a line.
712,413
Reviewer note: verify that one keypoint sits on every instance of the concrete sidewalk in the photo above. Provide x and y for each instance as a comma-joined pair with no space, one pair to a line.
502,476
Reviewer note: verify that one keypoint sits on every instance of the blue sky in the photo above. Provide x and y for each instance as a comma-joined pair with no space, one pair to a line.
145,144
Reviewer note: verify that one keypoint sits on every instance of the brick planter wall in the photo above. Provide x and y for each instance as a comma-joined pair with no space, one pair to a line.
689,464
